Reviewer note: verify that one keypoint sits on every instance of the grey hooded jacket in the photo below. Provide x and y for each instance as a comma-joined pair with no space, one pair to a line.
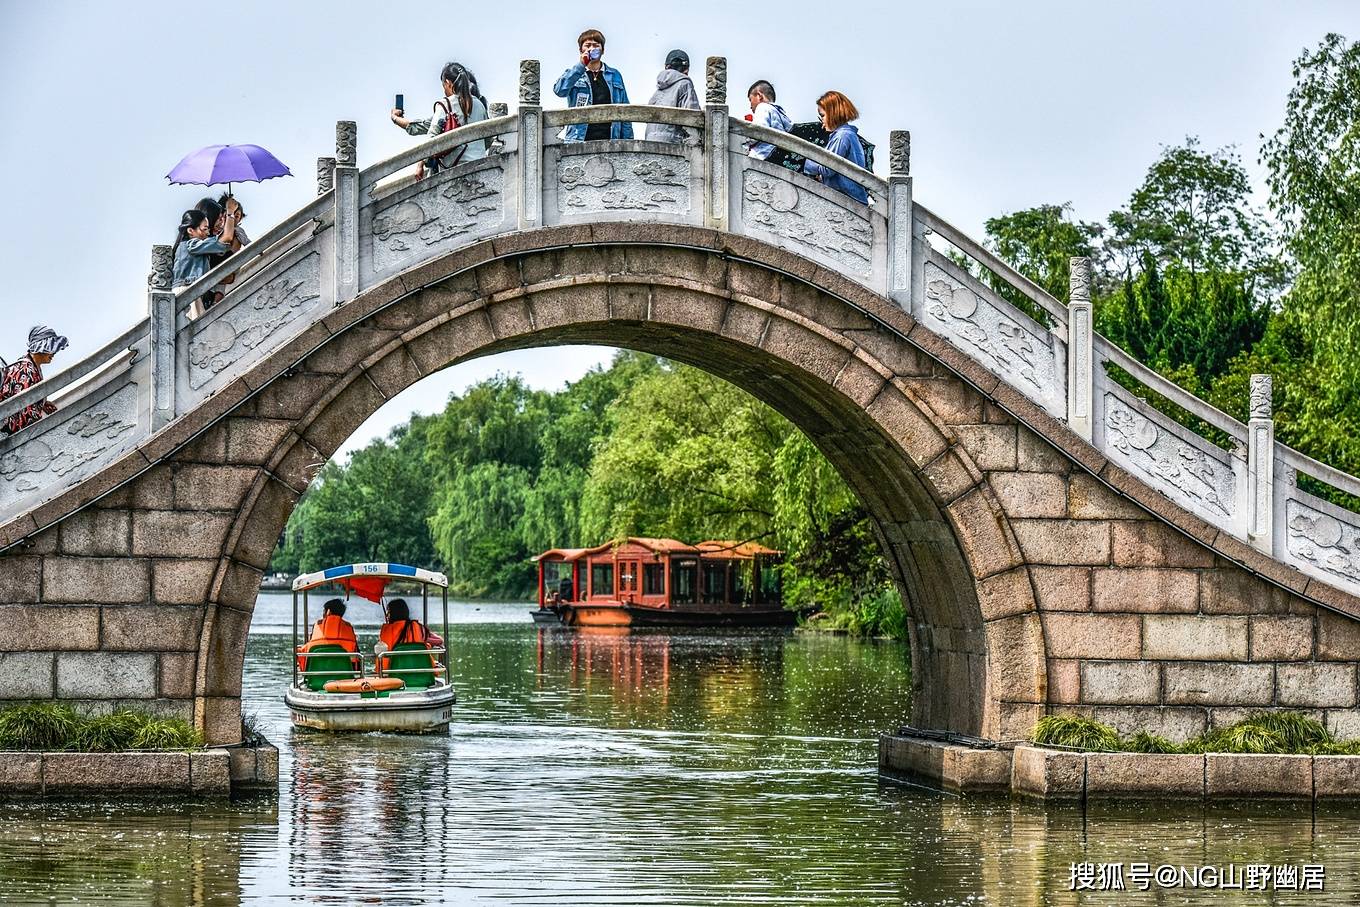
673,89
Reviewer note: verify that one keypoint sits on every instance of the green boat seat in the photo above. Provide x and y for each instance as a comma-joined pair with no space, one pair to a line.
410,661
331,658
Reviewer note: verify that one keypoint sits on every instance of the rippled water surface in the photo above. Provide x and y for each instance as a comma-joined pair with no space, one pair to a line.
628,768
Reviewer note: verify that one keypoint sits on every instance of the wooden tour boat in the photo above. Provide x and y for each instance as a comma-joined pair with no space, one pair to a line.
661,582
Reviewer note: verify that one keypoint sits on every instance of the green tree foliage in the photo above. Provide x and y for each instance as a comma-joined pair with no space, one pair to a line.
1313,162
373,509
1039,243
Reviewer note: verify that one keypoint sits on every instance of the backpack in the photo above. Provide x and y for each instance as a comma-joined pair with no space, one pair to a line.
451,122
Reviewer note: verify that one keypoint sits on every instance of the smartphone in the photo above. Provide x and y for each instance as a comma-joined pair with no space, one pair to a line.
400,105
595,53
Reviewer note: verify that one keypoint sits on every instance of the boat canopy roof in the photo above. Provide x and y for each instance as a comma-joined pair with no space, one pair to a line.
660,546
369,580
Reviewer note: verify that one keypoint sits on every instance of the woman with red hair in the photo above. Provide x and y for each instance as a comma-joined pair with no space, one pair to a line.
835,111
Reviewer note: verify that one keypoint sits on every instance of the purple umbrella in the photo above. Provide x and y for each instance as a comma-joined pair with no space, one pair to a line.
227,164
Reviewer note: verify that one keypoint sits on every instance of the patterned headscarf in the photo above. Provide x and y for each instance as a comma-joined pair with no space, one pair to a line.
42,339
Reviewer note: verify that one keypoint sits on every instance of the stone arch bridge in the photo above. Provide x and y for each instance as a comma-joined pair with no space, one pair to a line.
1060,543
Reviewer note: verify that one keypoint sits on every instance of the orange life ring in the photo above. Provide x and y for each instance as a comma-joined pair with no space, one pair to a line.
364,685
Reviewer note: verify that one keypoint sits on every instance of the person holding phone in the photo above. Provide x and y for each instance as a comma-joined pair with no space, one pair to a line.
462,104
591,81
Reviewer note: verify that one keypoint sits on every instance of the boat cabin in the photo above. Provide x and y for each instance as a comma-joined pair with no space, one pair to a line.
661,573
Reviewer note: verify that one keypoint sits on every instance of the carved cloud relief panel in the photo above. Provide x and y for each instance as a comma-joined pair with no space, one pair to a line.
253,320
633,181
1174,466
74,448
811,222
448,214
1329,544
1003,344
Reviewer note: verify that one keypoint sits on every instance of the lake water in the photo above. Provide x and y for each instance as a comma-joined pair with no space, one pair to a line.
631,768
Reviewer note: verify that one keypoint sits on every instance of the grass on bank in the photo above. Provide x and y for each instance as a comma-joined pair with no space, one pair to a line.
54,726
1289,733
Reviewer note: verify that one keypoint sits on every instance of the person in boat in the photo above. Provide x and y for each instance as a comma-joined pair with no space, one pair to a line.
401,629
331,630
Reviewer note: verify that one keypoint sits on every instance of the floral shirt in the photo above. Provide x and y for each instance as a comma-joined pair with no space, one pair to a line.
16,379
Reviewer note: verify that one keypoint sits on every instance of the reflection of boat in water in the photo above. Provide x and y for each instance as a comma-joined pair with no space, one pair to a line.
409,687
661,582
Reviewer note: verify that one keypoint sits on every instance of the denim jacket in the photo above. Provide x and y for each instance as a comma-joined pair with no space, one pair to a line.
845,143
575,87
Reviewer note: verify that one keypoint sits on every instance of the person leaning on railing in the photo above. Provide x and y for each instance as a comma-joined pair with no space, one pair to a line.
590,82
43,344
195,248
835,111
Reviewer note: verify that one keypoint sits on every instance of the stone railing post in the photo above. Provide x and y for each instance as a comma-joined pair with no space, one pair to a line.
899,218
715,144
496,110
530,146
325,175
346,211
1261,467
1080,337
161,308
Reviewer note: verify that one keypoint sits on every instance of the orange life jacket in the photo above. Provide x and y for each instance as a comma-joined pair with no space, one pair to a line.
401,631
336,630
331,630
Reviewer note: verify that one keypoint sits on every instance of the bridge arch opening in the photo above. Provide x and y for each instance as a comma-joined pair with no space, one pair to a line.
876,407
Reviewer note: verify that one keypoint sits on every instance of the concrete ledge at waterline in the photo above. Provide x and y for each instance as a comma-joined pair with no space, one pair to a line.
1048,774
1168,775
956,768
208,773
1229,775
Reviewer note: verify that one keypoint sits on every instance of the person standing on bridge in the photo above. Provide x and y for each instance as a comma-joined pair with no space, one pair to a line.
835,111
673,89
43,344
765,112
589,82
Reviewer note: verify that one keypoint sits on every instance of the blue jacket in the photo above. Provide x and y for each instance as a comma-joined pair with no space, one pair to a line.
844,142
575,87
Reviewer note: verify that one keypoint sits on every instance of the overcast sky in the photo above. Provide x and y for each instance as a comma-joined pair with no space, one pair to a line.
1010,104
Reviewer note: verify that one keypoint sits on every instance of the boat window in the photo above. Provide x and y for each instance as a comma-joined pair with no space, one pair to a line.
740,574
653,579
769,582
715,582
683,581
601,579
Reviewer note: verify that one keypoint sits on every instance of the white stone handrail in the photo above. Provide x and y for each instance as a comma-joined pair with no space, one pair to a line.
1105,351
623,113
979,253
465,135
1300,462
115,350
351,238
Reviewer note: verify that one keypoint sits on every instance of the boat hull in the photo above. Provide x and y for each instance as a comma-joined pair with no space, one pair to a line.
611,615
407,711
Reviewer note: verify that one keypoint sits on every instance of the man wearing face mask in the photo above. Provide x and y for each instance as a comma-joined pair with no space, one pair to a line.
589,82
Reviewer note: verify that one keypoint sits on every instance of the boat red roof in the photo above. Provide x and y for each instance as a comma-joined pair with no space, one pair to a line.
661,546
728,548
